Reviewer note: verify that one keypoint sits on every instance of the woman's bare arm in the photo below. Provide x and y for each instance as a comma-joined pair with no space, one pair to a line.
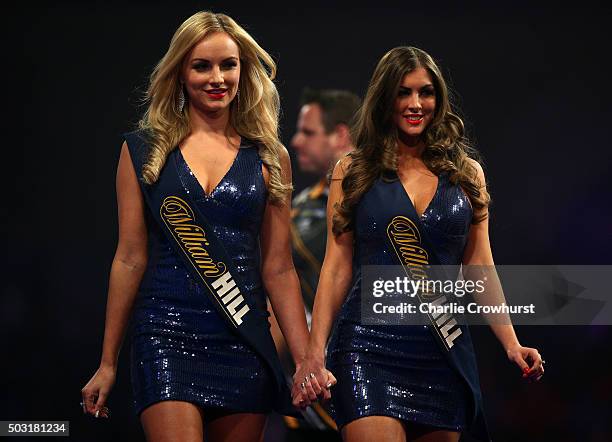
478,265
334,282
278,273
336,272
126,273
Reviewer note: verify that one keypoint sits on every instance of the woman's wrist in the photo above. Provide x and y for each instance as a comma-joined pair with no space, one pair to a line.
506,336
316,352
511,345
108,364
299,358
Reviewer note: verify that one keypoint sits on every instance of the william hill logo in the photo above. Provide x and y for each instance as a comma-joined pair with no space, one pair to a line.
191,238
406,240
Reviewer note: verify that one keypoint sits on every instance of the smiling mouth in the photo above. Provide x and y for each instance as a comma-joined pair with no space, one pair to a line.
414,119
216,93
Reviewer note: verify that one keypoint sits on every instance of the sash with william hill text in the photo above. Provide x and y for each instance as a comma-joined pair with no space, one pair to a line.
412,248
207,260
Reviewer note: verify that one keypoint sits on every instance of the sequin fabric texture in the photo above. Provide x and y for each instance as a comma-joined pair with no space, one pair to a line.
182,349
398,371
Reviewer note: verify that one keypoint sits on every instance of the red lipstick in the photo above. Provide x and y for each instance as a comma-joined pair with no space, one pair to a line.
216,94
414,119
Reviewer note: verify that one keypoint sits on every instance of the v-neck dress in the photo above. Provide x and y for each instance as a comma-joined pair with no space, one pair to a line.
398,371
182,349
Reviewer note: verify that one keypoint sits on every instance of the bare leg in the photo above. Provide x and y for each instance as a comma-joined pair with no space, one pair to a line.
378,428
239,427
423,433
172,421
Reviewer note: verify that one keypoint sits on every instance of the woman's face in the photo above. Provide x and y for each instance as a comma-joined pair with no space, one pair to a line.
415,104
211,72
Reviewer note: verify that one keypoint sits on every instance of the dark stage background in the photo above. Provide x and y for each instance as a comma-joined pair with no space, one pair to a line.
532,82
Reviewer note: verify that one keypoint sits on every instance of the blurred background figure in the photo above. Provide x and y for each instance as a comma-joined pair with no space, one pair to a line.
321,139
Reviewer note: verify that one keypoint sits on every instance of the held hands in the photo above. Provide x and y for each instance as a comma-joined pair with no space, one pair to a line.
96,391
522,356
311,382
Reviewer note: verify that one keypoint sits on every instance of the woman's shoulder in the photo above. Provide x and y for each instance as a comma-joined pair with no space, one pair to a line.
250,150
342,166
248,143
137,138
138,142
477,167
279,151
137,134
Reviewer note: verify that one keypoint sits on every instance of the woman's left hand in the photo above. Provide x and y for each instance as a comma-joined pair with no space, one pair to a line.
523,357
311,382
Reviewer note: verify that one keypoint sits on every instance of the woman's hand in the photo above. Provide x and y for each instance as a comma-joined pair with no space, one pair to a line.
311,381
523,356
96,392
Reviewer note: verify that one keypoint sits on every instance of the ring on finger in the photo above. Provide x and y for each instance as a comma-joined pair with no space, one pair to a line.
306,380
312,375
303,385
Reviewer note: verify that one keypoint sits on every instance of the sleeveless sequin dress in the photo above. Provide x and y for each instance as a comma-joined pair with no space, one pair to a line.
399,371
181,347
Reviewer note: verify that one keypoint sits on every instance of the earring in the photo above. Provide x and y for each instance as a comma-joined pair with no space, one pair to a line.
181,100
237,99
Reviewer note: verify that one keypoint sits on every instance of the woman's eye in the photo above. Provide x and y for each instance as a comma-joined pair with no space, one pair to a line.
403,93
205,66
428,92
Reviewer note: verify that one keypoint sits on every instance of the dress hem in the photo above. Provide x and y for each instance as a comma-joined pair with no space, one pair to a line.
402,419
200,404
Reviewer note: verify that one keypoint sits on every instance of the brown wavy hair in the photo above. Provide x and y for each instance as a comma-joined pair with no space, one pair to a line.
376,137
254,113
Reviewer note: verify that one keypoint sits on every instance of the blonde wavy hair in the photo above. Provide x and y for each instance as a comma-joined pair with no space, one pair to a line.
258,102
376,137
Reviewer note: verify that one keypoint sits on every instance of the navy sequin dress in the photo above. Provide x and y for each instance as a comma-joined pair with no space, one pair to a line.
390,370
182,349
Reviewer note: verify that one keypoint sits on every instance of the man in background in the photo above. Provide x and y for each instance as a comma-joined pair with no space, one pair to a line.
322,138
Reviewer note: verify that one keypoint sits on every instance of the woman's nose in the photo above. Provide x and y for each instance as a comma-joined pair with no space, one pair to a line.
216,75
414,103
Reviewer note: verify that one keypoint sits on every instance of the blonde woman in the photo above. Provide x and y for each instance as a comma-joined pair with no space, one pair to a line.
203,192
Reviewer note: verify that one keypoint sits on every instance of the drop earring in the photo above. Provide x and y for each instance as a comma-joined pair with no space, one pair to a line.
181,100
